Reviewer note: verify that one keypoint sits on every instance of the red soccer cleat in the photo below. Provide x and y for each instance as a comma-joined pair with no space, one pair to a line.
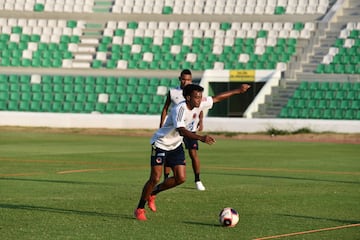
151,203
140,214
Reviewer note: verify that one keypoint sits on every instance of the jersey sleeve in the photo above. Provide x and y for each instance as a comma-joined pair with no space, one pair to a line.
206,103
178,115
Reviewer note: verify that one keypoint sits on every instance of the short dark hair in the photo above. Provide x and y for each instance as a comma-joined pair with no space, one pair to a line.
188,89
186,72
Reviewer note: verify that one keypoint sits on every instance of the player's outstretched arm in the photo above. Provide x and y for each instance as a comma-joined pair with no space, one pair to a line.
205,138
224,95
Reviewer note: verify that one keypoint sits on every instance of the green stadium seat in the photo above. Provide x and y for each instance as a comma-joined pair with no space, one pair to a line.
344,104
135,99
157,99
78,107
349,114
45,106
142,108
124,98
315,113
155,109
25,96
131,89
333,104
46,96
322,104
326,114
110,89
14,96
120,89
59,97
4,96
70,97
141,89
80,97
294,112
35,106
329,94
318,94
146,98
89,107
91,97
67,107
355,104
284,113
100,107
324,86
121,108
131,108
110,108
338,114
36,96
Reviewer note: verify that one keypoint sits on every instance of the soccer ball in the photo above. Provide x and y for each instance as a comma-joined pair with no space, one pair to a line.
228,217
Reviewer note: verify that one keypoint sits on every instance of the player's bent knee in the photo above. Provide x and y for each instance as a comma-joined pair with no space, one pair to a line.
180,180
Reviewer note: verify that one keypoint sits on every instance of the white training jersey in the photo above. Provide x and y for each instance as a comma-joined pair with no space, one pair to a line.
167,137
176,95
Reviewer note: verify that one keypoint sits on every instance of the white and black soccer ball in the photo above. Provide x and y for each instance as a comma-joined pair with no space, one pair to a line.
228,217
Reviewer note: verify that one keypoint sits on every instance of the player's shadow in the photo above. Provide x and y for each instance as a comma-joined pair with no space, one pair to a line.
62,211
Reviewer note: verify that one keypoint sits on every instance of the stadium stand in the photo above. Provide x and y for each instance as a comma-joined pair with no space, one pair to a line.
126,46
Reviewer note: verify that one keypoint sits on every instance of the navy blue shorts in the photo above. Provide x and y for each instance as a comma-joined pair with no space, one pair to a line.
169,158
191,143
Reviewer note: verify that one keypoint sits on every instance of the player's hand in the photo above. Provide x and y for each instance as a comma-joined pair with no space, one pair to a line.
244,88
208,139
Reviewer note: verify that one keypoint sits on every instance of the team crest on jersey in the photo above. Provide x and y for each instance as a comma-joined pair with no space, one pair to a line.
194,115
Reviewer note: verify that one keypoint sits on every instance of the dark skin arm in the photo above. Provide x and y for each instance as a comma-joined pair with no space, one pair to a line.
165,109
205,138
243,88
200,125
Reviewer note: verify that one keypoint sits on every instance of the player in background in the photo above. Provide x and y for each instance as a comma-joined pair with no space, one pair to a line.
175,96
166,143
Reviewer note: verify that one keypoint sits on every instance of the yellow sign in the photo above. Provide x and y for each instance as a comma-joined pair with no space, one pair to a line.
242,75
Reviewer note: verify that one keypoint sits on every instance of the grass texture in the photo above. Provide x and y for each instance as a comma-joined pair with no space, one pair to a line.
83,186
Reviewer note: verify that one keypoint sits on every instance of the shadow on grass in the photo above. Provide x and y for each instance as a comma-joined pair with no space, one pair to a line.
285,177
320,218
63,211
53,181
202,224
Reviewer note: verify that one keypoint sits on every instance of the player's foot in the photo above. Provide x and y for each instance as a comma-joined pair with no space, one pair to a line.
140,214
200,186
151,203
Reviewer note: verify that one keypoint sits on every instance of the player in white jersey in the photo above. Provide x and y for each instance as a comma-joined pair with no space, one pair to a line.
167,147
175,96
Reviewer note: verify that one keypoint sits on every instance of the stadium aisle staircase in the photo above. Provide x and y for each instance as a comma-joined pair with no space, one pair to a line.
344,56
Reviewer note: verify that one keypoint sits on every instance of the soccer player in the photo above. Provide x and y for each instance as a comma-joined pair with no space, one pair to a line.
175,96
167,147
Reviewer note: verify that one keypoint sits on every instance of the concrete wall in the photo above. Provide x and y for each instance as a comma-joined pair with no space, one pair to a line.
211,124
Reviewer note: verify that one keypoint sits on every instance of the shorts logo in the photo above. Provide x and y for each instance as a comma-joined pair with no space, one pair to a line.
158,160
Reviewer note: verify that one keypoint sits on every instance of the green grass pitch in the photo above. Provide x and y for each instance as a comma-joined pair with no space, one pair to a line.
83,186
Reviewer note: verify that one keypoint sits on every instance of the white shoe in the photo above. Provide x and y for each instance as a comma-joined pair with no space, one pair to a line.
200,186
